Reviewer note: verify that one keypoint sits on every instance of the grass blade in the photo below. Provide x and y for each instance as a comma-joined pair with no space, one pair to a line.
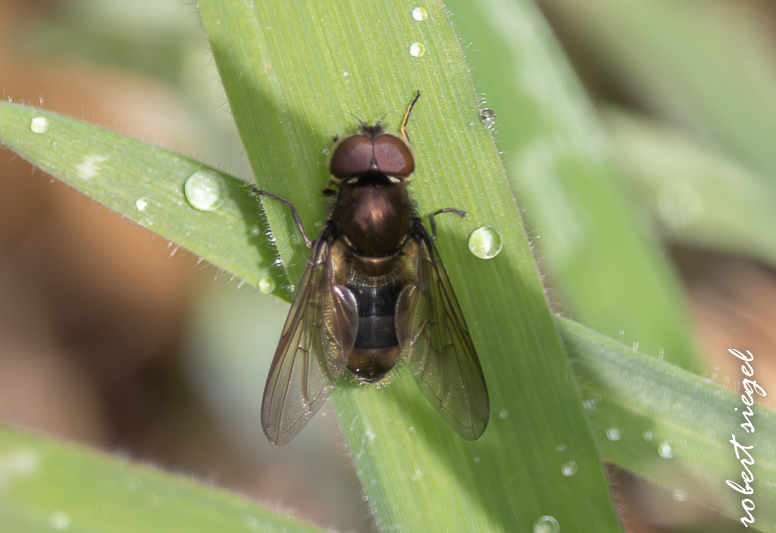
145,184
673,426
49,485
608,275
696,196
289,95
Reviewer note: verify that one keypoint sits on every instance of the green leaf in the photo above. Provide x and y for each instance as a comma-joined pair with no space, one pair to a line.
293,71
673,426
608,275
145,184
695,195
704,66
49,485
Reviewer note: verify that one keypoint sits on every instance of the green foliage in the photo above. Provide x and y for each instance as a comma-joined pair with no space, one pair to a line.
293,71
287,102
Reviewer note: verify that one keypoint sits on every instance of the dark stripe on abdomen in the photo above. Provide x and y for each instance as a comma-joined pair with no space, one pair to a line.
376,310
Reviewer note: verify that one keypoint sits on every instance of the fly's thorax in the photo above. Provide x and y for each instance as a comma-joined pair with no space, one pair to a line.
373,213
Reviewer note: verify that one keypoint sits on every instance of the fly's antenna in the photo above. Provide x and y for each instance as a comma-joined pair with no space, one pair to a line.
363,124
407,117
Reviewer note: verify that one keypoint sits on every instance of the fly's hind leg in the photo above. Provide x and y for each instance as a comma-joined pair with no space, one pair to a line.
294,213
431,220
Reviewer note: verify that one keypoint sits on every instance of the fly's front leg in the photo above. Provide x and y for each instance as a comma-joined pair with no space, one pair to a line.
432,222
328,191
297,220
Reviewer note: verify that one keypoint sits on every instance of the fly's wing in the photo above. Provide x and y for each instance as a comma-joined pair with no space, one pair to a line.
433,332
308,359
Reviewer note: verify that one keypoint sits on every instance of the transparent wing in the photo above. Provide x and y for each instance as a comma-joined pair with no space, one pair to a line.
308,359
433,333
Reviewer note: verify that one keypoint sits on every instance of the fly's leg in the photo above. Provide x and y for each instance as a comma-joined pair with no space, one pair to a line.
294,213
328,191
431,220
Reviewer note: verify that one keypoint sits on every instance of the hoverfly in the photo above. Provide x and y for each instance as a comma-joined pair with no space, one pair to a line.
374,293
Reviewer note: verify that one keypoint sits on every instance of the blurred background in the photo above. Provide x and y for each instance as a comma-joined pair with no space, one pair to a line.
110,338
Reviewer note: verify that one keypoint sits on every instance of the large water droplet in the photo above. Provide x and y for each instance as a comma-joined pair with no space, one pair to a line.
141,204
203,190
39,125
417,49
546,524
666,449
485,242
488,116
613,434
419,14
569,468
267,285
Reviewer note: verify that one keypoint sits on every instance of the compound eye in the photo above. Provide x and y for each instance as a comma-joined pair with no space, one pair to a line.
352,157
393,156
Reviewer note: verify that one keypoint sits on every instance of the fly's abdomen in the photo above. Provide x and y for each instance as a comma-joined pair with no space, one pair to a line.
376,349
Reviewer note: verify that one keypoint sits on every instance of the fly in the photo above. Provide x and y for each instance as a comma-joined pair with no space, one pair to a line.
374,293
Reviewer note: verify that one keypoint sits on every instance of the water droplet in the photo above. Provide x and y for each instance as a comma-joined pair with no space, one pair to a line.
141,204
666,449
649,436
476,459
255,231
419,14
19,463
680,495
591,403
267,285
561,447
613,434
546,524
203,190
39,125
417,49
485,242
90,168
636,345
346,73
59,520
678,204
488,116
569,469
325,151
503,414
